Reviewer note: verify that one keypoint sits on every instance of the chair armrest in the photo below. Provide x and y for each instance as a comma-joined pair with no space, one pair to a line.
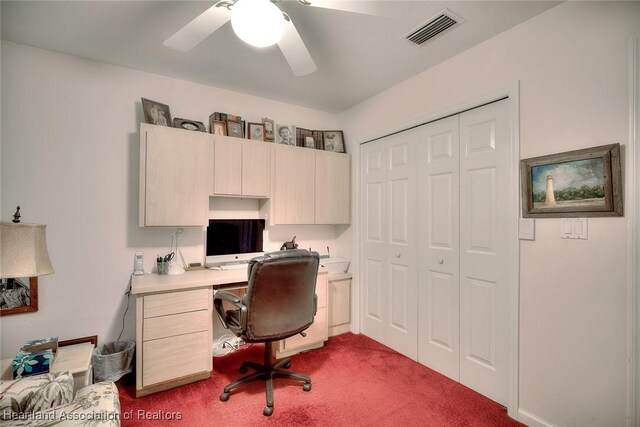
221,296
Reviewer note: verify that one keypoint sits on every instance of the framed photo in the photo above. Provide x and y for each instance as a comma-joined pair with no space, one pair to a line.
333,141
317,137
217,127
304,138
235,129
286,134
18,295
189,125
156,113
269,129
581,183
256,131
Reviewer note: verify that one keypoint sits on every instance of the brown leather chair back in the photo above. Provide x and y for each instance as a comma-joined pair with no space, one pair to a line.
280,300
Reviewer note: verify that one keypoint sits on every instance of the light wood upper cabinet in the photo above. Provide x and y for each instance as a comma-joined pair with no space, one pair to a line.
175,176
293,200
241,168
333,186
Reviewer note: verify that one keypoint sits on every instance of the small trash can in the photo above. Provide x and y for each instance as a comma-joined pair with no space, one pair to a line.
113,360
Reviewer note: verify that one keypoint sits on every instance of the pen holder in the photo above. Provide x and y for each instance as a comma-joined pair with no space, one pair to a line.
163,267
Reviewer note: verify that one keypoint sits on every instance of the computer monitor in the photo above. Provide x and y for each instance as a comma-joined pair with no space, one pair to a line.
233,240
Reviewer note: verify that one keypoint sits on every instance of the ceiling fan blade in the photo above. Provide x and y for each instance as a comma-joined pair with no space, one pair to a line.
295,51
354,6
199,29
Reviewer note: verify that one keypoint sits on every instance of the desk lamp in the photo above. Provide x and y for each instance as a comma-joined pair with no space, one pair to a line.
174,267
23,249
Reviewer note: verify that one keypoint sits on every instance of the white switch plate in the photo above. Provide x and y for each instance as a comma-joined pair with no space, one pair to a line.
527,229
573,228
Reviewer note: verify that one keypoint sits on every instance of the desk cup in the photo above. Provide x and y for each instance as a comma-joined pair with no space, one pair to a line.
163,268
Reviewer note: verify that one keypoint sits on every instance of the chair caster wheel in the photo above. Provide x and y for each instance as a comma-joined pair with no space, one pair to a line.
287,365
268,410
224,397
242,369
306,387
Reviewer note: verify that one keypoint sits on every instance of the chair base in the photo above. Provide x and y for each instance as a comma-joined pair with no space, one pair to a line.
267,372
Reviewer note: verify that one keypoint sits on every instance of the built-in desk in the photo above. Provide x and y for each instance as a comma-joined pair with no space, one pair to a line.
174,325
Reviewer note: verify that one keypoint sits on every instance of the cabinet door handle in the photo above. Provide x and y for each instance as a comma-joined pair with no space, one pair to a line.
440,260
398,254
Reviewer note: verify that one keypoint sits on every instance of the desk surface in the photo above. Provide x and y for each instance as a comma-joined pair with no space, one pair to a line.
148,283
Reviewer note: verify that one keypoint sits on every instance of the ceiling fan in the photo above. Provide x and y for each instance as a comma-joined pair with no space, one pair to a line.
260,23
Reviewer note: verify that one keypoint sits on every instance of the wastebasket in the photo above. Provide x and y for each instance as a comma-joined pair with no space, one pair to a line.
113,360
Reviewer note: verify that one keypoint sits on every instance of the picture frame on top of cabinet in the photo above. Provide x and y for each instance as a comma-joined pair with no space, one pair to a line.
235,129
333,141
269,129
286,134
304,138
255,131
18,295
156,113
580,183
217,127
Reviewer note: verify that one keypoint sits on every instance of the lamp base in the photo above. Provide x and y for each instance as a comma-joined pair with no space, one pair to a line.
175,269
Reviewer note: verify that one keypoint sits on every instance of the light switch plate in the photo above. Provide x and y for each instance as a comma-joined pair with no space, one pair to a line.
573,228
527,229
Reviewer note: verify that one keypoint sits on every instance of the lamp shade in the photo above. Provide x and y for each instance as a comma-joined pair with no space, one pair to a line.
23,250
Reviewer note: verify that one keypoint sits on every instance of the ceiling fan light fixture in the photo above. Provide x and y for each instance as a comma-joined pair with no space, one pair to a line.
257,22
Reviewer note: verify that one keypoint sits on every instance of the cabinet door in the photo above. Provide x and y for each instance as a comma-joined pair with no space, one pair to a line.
175,176
256,169
294,185
333,185
227,166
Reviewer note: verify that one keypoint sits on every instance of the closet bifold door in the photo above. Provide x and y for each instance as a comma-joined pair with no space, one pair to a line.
438,231
389,241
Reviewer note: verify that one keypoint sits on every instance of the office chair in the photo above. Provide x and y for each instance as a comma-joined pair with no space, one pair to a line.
280,302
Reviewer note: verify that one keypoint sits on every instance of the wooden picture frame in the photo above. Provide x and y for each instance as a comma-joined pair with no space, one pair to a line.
333,141
574,184
256,131
156,113
218,127
269,129
235,129
16,297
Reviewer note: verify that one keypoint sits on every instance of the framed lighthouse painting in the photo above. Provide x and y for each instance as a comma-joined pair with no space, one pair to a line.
581,183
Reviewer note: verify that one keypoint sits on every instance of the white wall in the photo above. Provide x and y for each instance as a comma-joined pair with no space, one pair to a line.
572,64
69,158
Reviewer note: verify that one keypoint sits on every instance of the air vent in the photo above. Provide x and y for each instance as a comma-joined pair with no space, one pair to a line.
434,26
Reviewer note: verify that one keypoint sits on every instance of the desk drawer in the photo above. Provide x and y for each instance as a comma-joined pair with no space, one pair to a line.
316,333
175,324
175,357
176,302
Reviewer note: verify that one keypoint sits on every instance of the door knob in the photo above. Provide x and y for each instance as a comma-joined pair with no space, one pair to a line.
440,260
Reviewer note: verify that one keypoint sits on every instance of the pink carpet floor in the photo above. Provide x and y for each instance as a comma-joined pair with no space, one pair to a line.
356,381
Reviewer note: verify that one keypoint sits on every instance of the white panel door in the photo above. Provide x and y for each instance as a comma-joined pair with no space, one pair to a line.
485,147
389,242
438,275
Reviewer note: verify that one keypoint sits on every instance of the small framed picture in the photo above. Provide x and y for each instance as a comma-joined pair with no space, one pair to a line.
189,124
309,142
286,134
333,141
156,113
269,128
217,127
235,129
256,131
18,295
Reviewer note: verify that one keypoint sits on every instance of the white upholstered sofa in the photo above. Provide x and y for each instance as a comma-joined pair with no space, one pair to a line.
47,399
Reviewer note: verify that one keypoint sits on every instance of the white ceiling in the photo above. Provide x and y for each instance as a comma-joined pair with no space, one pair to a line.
357,56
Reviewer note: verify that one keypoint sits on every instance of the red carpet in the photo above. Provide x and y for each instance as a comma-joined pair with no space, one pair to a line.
355,382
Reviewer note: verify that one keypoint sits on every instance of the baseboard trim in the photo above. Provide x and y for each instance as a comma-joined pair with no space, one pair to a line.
532,420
